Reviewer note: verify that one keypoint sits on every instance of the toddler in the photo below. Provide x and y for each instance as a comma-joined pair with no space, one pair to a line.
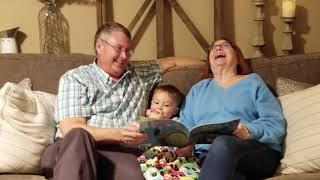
161,162
165,103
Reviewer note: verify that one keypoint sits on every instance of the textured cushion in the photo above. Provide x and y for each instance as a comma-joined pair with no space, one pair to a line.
26,128
25,83
302,144
287,86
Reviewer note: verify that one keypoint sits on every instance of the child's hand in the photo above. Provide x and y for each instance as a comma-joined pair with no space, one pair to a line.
153,114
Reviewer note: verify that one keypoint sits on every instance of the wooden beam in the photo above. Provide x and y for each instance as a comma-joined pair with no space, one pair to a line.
107,10
139,14
164,29
145,23
104,10
99,12
191,27
218,19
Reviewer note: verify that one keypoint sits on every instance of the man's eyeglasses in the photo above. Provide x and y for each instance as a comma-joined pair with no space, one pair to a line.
223,45
119,49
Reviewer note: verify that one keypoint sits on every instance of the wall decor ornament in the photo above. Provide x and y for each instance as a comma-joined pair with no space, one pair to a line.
258,37
54,30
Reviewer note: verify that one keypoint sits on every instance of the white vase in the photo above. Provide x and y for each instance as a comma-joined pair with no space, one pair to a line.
8,45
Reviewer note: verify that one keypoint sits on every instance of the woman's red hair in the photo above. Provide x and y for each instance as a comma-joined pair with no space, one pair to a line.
242,67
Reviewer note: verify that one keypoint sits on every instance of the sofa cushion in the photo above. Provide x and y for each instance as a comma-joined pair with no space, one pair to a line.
287,86
302,144
21,177
304,176
26,128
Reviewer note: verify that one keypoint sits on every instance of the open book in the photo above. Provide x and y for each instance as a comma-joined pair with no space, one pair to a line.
173,133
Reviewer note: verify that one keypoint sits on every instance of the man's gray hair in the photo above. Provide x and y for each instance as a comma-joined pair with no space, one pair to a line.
109,27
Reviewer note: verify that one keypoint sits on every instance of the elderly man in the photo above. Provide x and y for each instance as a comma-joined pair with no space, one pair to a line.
96,111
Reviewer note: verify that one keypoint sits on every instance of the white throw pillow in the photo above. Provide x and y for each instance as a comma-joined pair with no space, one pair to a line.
302,143
27,126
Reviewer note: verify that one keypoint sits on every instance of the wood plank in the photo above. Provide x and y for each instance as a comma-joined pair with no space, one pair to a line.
139,14
191,27
145,23
218,19
99,12
164,29
104,10
107,10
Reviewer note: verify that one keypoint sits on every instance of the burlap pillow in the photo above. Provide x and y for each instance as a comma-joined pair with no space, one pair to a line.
287,86
25,83
302,143
27,126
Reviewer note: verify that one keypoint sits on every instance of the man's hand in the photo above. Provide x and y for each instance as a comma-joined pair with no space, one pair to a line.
130,134
242,132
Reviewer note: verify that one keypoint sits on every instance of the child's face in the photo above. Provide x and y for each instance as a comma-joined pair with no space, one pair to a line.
163,104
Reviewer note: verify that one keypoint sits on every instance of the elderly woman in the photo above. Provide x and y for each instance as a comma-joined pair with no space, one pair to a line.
229,92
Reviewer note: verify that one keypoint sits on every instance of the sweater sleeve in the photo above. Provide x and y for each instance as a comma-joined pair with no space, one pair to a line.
186,112
270,126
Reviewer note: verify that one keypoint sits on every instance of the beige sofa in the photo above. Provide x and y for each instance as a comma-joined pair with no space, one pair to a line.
45,70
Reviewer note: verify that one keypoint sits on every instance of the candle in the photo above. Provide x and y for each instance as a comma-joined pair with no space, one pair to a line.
288,8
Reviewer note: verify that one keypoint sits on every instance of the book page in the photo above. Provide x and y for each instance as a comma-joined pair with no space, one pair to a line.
165,132
206,133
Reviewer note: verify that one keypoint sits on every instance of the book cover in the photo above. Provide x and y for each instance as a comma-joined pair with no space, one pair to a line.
173,133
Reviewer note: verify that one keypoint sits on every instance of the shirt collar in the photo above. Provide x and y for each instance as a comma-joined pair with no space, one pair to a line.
105,76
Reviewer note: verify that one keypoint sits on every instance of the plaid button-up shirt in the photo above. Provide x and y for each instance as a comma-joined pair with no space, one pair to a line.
88,91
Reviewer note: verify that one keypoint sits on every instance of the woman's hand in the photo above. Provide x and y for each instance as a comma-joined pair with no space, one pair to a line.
131,134
185,151
242,132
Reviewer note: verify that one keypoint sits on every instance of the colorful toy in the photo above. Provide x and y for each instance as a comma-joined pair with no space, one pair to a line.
152,152
161,162
190,169
168,153
153,173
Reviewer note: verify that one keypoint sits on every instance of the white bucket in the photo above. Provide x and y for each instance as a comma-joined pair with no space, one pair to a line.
8,45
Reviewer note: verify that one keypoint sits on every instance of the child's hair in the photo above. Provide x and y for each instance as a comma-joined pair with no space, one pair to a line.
172,91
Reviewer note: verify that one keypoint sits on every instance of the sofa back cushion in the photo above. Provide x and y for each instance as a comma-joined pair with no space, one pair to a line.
45,70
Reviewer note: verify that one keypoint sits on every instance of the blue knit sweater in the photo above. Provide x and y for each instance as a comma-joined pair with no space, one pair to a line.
249,99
